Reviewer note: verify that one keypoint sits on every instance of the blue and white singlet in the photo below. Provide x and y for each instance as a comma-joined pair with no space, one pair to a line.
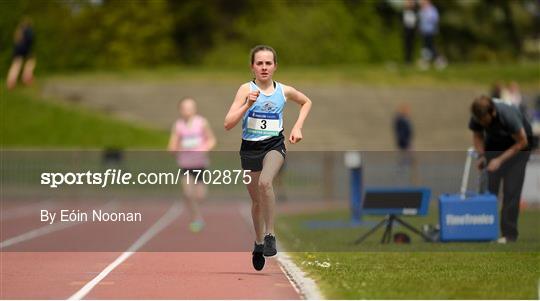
264,119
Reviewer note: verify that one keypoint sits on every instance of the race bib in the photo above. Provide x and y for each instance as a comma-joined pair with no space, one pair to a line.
191,142
263,124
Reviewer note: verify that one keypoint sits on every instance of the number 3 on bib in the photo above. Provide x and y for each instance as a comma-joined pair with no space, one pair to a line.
265,124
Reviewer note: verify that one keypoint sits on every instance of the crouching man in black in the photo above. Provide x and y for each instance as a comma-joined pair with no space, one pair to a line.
501,136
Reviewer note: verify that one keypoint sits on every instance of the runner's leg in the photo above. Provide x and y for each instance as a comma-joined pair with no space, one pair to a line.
271,164
256,207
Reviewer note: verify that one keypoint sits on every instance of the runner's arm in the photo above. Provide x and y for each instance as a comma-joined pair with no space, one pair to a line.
238,108
305,106
210,137
173,142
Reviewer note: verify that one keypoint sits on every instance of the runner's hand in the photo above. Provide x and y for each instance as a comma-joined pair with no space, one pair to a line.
252,97
296,135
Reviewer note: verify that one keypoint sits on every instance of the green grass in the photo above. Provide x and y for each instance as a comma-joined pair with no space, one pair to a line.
419,270
408,275
526,73
28,121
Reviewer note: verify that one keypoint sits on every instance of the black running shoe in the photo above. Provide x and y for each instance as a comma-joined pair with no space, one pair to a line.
270,245
258,258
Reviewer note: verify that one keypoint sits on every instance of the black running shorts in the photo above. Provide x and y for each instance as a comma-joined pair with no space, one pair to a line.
252,152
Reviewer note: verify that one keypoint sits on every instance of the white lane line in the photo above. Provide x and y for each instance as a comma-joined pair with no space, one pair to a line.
302,284
307,286
173,213
46,229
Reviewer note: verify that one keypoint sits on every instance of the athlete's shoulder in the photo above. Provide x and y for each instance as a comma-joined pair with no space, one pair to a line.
281,84
244,88
287,90
246,85
285,86
202,120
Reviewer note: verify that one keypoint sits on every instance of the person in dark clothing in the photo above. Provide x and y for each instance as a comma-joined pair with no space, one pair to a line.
22,55
403,128
403,132
409,29
501,137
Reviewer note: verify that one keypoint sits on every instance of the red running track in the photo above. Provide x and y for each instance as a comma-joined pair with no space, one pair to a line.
173,264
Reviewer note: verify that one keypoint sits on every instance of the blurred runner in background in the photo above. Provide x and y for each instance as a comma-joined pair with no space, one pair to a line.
191,139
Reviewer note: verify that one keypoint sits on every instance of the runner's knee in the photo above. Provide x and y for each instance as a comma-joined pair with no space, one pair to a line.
265,185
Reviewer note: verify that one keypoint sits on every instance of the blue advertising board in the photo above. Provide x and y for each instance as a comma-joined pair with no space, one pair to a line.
473,218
